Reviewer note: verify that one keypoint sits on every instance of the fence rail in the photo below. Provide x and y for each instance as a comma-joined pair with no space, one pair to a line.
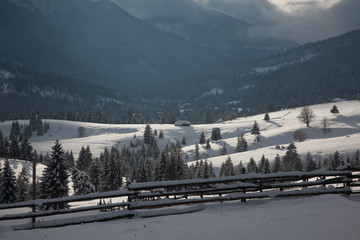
153,195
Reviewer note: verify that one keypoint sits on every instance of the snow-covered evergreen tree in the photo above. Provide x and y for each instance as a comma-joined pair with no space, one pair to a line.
81,182
291,159
276,166
255,130
202,139
23,186
242,145
251,166
54,181
95,173
197,152
310,164
14,149
216,134
26,150
113,177
8,184
85,159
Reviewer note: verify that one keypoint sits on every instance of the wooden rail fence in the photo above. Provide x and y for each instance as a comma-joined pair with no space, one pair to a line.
154,195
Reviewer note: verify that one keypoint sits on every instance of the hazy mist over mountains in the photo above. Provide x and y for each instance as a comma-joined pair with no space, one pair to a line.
159,54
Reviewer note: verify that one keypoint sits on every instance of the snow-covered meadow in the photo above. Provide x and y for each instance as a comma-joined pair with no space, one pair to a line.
321,217
344,134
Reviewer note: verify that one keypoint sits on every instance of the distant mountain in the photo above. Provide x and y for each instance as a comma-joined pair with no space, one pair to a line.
220,33
97,41
312,73
22,91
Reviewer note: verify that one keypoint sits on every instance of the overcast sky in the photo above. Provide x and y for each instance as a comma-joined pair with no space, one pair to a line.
299,20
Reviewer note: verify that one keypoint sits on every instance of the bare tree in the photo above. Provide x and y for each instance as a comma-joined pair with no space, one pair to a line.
306,115
300,136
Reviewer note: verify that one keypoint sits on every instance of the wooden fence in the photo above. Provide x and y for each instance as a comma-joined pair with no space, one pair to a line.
154,195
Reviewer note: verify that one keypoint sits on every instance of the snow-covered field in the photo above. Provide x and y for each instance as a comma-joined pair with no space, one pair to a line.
322,217
328,217
344,134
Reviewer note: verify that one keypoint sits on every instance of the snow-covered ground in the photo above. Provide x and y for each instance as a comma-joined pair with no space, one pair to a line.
328,217
344,134
321,217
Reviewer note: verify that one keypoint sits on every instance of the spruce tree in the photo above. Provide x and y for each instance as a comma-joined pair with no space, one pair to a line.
335,161
266,117
334,110
113,177
223,150
202,139
276,167
291,159
208,146
310,164
14,149
81,182
251,166
255,130
208,118
26,150
23,186
197,152
242,145
85,159
216,134
54,181
15,130
8,184
148,135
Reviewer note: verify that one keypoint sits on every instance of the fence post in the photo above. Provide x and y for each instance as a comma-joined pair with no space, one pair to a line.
33,220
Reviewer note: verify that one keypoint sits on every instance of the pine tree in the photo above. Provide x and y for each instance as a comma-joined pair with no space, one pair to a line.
242,145
113,177
26,150
251,166
335,161
262,164
148,135
240,168
334,110
266,117
208,146
81,182
266,168
95,173
15,130
216,134
8,184
255,130
54,181
85,159
202,139
208,118
14,149
227,168
355,160
161,134
223,150
310,164
197,152
276,167
183,141
290,160
23,186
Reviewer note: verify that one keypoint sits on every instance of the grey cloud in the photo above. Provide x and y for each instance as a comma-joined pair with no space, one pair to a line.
313,24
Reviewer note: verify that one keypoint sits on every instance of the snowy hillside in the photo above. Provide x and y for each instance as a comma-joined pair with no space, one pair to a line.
344,134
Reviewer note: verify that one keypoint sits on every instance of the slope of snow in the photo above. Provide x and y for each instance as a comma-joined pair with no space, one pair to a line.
344,135
330,217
